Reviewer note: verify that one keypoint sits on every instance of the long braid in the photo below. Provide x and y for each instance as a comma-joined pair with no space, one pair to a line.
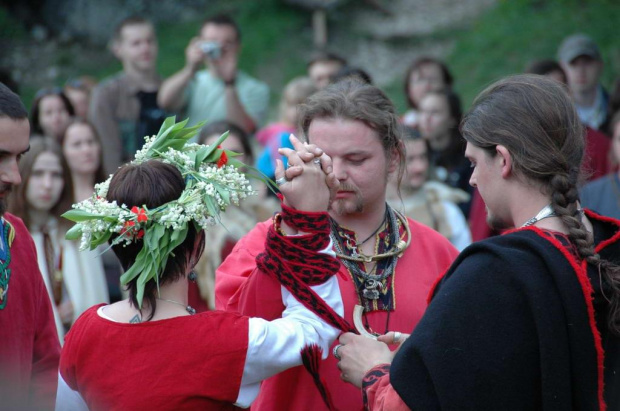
564,198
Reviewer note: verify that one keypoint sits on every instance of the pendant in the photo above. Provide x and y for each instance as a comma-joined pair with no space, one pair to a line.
370,291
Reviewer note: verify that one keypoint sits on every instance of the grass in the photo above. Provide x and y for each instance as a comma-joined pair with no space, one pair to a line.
505,39
9,28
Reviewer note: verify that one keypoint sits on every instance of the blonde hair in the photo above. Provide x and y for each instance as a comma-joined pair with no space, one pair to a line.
296,92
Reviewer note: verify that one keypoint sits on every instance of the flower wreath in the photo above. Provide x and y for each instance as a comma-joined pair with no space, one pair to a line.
212,182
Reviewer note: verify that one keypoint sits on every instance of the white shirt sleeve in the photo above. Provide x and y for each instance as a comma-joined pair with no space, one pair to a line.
461,236
274,346
67,399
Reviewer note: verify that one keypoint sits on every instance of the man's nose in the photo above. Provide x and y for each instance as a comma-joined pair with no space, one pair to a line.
10,173
339,170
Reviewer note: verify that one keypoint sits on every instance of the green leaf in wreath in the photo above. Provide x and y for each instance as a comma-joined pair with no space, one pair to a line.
74,233
78,216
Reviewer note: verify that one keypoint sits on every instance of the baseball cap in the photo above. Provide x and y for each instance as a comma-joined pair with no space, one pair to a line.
578,45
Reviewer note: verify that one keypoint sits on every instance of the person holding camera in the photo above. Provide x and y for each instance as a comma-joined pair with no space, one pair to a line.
221,92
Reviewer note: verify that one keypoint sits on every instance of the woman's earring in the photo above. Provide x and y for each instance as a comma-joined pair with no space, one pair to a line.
192,276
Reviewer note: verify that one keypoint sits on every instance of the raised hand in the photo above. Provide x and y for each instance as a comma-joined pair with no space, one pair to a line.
193,54
314,191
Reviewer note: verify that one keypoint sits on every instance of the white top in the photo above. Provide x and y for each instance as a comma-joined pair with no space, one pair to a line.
273,346
82,272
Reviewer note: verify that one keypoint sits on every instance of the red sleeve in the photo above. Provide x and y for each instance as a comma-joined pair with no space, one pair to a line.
46,352
69,355
378,393
241,287
46,348
596,158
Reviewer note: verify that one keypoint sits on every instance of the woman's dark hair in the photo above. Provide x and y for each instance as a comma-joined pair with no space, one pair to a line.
35,109
18,203
413,134
535,119
545,67
354,72
222,126
100,175
453,154
417,65
151,184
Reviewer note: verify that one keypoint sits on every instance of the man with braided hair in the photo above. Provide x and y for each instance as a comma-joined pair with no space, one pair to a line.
524,321
388,263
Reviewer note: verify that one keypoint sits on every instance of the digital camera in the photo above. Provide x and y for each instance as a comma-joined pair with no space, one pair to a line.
211,49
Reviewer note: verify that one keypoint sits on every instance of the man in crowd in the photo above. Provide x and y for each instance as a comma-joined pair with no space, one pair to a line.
581,59
323,66
124,107
29,348
582,62
388,262
222,91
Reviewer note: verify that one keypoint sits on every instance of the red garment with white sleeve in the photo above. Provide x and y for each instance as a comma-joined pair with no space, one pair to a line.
241,287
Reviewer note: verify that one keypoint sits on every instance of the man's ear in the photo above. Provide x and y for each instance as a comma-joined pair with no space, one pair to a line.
504,159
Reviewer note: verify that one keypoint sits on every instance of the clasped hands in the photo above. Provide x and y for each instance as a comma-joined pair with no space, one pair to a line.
308,183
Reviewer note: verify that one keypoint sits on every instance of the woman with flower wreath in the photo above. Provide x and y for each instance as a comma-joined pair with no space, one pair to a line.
151,350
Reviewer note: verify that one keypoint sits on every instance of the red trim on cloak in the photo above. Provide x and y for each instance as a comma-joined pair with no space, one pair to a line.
582,276
610,220
431,292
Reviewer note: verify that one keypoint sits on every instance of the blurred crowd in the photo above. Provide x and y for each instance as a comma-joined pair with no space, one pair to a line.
85,130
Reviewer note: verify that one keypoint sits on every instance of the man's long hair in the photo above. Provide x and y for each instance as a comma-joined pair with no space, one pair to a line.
535,119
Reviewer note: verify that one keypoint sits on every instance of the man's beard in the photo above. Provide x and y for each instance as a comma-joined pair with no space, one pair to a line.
496,223
344,206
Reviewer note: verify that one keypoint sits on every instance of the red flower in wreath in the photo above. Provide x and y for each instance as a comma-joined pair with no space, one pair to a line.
127,226
222,161
141,213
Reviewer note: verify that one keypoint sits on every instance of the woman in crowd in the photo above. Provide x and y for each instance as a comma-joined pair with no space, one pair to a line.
75,281
236,221
152,348
295,92
82,150
51,113
275,136
603,194
425,74
440,115
427,201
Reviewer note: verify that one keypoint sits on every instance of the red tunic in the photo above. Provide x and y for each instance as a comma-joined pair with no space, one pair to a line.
29,347
240,287
182,363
